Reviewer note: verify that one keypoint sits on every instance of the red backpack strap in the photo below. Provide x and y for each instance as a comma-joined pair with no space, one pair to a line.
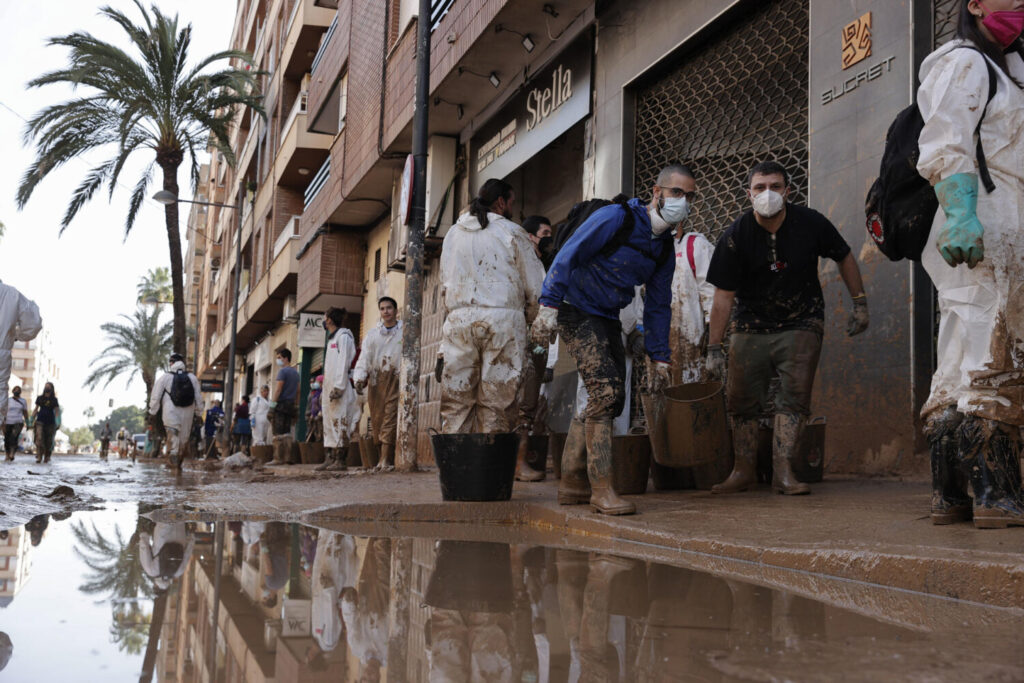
689,254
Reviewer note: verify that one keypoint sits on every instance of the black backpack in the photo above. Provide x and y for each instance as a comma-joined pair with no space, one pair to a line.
182,393
579,214
901,204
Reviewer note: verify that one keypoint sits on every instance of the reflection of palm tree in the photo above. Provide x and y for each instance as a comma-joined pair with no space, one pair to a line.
130,628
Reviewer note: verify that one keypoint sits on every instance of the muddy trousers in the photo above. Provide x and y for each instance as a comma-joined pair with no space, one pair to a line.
382,400
991,451
470,646
483,352
950,502
530,415
11,434
44,435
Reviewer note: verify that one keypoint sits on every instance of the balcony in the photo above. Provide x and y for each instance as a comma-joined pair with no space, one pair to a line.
307,24
324,43
300,150
317,184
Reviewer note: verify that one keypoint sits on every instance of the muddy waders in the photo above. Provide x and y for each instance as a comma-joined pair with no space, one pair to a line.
334,460
991,450
744,469
387,457
574,486
950,502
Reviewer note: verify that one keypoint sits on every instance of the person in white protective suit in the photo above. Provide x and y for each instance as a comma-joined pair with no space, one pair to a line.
692,296
165,555
335,568
177,420
491,279
19,321
365,610
975,258
377,373
260,411
340,405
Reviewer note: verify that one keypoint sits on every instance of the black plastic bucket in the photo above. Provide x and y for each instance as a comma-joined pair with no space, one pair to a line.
471,576
475,467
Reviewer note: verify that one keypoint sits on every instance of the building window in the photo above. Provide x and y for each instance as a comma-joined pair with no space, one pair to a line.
376,265
342,101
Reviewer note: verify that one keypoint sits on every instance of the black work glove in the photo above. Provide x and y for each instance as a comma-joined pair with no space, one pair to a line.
549,374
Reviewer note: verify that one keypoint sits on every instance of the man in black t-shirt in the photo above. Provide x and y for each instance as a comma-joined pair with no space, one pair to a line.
765,273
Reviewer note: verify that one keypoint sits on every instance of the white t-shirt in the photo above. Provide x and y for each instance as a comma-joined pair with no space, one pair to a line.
15,411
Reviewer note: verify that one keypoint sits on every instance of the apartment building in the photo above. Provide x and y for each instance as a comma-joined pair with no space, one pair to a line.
33,365
566,99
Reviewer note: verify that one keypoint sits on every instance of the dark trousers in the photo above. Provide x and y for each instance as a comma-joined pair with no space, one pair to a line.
44,438
754,359
11,434
596,345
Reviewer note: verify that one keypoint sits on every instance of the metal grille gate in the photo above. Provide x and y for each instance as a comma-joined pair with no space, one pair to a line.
946,12
741,99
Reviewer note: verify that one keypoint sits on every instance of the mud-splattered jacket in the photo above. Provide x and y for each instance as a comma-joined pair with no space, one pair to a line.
381,352
603,285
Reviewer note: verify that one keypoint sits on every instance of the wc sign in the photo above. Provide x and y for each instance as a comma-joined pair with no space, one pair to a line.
311,330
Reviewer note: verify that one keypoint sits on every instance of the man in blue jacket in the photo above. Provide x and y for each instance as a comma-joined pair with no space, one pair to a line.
591,279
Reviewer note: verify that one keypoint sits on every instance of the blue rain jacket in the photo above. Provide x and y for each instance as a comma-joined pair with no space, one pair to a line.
603,285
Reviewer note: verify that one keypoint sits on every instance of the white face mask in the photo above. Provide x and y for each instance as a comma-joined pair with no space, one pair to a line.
674,209
658,224
769,203
280,362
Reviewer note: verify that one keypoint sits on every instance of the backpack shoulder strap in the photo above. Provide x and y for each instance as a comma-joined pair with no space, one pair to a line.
689,254
621,236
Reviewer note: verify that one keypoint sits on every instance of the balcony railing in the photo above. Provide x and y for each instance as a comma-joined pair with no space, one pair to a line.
297,109
290,232
317,183
324,43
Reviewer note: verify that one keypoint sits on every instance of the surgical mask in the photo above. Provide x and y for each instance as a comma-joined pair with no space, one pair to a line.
280,362
1004,25
769,204
658,224
315,385
674,209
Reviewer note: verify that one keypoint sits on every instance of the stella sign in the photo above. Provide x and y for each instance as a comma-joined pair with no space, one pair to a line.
542,103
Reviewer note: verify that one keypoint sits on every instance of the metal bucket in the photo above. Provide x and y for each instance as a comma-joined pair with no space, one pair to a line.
809,463
631,464
261,454
698,430
475,467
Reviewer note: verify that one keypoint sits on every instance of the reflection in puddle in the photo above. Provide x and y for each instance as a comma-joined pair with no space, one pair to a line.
110,594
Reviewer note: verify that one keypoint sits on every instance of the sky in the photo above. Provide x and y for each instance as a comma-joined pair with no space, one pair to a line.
89,275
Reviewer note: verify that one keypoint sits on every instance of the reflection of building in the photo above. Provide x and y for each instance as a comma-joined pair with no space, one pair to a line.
14,564
33,365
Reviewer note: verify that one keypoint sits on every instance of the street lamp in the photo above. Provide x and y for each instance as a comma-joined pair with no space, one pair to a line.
166,198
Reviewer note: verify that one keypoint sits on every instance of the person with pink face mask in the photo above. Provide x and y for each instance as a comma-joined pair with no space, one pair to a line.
976,407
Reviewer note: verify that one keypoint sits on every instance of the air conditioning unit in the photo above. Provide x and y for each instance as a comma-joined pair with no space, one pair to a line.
289,313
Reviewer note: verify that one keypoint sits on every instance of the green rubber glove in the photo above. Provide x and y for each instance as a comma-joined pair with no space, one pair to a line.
961,238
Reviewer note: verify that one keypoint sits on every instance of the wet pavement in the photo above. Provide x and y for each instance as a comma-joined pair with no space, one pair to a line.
115,594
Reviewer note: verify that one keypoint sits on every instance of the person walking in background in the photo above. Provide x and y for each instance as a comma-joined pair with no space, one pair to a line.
341,409
214,416
105,436
122,442
314,411
46,418
241,428
17,411
286,393
259,409
19,321
176,397
376,372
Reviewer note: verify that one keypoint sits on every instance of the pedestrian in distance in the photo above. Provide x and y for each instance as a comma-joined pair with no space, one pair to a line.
315,411
241,426
177,400
283,409
593,276
377,374
490,282
19,321
17,411
341,408
259,408
213,419
46,417
122,443
765,273
975,258
105,435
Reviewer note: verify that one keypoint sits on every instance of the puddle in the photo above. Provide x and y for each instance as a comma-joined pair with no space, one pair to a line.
108,594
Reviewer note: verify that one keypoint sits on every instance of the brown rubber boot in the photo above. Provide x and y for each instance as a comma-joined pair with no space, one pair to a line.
788,429
599,468
950,502
992,451
340,462
574,486
523,470
744,469
329,457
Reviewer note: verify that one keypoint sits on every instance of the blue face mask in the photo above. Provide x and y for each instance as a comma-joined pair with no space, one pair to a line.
316,385
674,209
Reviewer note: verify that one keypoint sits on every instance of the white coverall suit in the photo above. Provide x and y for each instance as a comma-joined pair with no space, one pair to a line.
149,550
341,415
335,567
259,408
177,420
380,361
19,321
692,296
491,281
981,334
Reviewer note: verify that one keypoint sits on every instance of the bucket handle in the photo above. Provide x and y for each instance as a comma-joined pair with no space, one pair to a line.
820,420
433,431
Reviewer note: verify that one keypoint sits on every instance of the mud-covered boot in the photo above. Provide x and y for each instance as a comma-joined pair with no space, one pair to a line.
599,468
339,463
574,486
281,452
523,470
744,469
786,439
992,451
329,457
950,502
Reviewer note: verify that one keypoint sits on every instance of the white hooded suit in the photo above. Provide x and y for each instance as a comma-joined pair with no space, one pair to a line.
177,420
341,415
19,321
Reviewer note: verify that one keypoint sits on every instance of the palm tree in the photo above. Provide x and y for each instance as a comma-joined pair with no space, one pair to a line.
148,101
155,287
139,345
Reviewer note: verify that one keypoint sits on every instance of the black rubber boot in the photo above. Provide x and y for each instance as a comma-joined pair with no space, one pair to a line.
950,502
992,451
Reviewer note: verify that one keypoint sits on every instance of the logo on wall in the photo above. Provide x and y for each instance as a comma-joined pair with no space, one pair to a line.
857,41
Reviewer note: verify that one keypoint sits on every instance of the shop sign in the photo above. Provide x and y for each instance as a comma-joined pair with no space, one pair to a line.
550,103
311,330
211,386
856,47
